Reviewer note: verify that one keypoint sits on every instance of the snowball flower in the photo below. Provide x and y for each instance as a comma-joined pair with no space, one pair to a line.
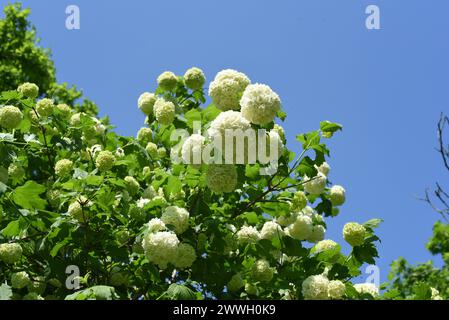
167,80
236,283
76,212
29,90
105,160
301,229
4,176
317,233
146,102
299,201
354,233
155,225
151,149
324,168
336,289
315,185
185,256
247,234
435,294
221,178
132,185
161,248
177,217
315,288
271,230
164,111
10,117
227,89
20,280
228,120
63,167
261,271
324,245
10,252
369,288
260,104
192,148
44,107
145,135
161,152
337,195
75,119
194,78
64,109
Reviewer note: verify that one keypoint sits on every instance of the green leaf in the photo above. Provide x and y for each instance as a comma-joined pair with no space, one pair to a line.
422,291
327,126
12,229
27,196
5,292
191,116
373,223
180,292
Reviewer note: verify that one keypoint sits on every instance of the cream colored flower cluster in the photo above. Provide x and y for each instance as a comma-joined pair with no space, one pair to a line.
318,287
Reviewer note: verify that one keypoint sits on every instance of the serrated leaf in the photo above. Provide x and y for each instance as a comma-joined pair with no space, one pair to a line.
27,196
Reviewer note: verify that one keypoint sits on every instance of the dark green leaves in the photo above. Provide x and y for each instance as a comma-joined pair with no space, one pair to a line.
27,196
179,292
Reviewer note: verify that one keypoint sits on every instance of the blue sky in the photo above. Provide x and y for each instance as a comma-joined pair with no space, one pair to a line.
387,87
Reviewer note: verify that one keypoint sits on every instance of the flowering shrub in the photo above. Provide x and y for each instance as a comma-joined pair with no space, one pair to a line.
139,225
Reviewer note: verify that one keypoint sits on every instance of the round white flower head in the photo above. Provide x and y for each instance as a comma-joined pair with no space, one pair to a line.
161,248
369,288
228,120
63,167
29,90
167,80
161,152
261,271
271,230
164,111
75,119
315,185
236,283
299,201
10,252
260,104
194,78
105,160
227,89
336,289
247,234
151,149
132,185
435,294
155,225
20,280
324,245
192,149
337,195
287,220
10,117
76,210
16,171
324,168
354,233
44,107
221,178
64,109
146,102
145,135
185,256
315,288
301,228
4,175
317,234
177,217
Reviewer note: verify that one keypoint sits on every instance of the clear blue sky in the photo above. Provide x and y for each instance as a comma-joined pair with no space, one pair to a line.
387,87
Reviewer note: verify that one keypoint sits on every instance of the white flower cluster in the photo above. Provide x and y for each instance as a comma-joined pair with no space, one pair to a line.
167,80
29,90
45,107
132,185
145,135
305,225
337,195
315,185
324,245
369,288
105,160
192,149
232,120
260,104
63,167
221,178
194,78
318,287
177,217
271,230
227,89
20,280
248,234
435,294
261,271
354,233
10,252
155,225
164,111
10,117
146,102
